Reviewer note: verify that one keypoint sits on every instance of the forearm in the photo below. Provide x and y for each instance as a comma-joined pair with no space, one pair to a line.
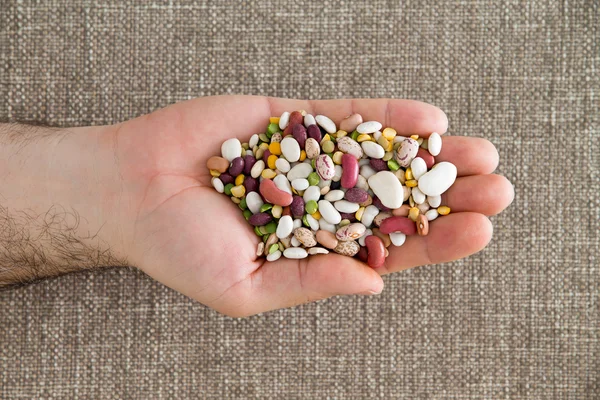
59,191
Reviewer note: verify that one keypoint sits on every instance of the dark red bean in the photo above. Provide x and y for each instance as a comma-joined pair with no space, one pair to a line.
297,206
295,119
260,219
426,156
314,132
226,178
377,203
356,195
266,155
398,224
378,165
251,184
376,251
249,162
349,216
299,133
237,166
363,254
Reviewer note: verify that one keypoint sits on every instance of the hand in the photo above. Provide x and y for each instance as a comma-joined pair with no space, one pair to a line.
180,231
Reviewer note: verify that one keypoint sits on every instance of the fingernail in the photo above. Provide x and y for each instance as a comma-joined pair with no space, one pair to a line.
370,292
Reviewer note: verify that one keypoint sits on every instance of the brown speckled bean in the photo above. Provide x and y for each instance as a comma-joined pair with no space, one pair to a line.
305,236
347,248
376,250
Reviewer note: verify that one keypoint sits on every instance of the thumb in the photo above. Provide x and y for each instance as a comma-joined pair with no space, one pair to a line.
286,283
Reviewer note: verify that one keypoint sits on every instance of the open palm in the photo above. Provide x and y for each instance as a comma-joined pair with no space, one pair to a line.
195,240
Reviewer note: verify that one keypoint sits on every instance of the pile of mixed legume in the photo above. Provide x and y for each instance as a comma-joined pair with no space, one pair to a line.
308,188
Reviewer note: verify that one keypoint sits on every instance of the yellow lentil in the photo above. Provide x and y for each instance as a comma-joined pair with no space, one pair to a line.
276,211
275,148
411,183
238,191
363,138
443,210
408,174
271,161
316,215
274,120
215,173
415,137
268,174
302,155
236,200
340,133
413,213
337,157
359,213
239,180
344,222
264,146
325,138
389,133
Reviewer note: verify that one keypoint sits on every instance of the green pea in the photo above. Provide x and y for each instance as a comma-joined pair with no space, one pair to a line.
269,135
273,248
312,163
257,231
243,204
228,188
266,207
264,138
328,146
311,206
281,248
265,238
354,135
313,179
305,221
247,214
271,227
263,230
272,128
393,165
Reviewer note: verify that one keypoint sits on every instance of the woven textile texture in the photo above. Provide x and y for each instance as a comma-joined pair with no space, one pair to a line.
520,320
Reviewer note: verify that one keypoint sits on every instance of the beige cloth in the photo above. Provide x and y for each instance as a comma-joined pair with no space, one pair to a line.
520,320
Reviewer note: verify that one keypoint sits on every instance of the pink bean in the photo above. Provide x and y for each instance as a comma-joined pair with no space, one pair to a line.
398,224
350,171
376,251
273,194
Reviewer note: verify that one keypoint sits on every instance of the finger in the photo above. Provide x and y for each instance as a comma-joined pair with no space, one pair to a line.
450,237
471,155
484,194
287,283
408,117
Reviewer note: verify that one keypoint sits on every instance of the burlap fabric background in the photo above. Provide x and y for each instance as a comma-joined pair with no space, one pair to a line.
519,320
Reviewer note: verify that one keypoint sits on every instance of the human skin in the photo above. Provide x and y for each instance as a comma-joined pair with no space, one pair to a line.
138,193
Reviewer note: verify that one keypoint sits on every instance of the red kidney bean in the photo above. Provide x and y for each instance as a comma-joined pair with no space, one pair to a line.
349,216
426,156
237,166
314,132
260,219
273,194
356,195
377,203
299,133
349,171
297,206
363,254
266,155
250,184
226,178
378,165
376,251
398,224
295,119
249,162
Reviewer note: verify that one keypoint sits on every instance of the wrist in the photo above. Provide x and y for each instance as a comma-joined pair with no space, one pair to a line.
61,196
